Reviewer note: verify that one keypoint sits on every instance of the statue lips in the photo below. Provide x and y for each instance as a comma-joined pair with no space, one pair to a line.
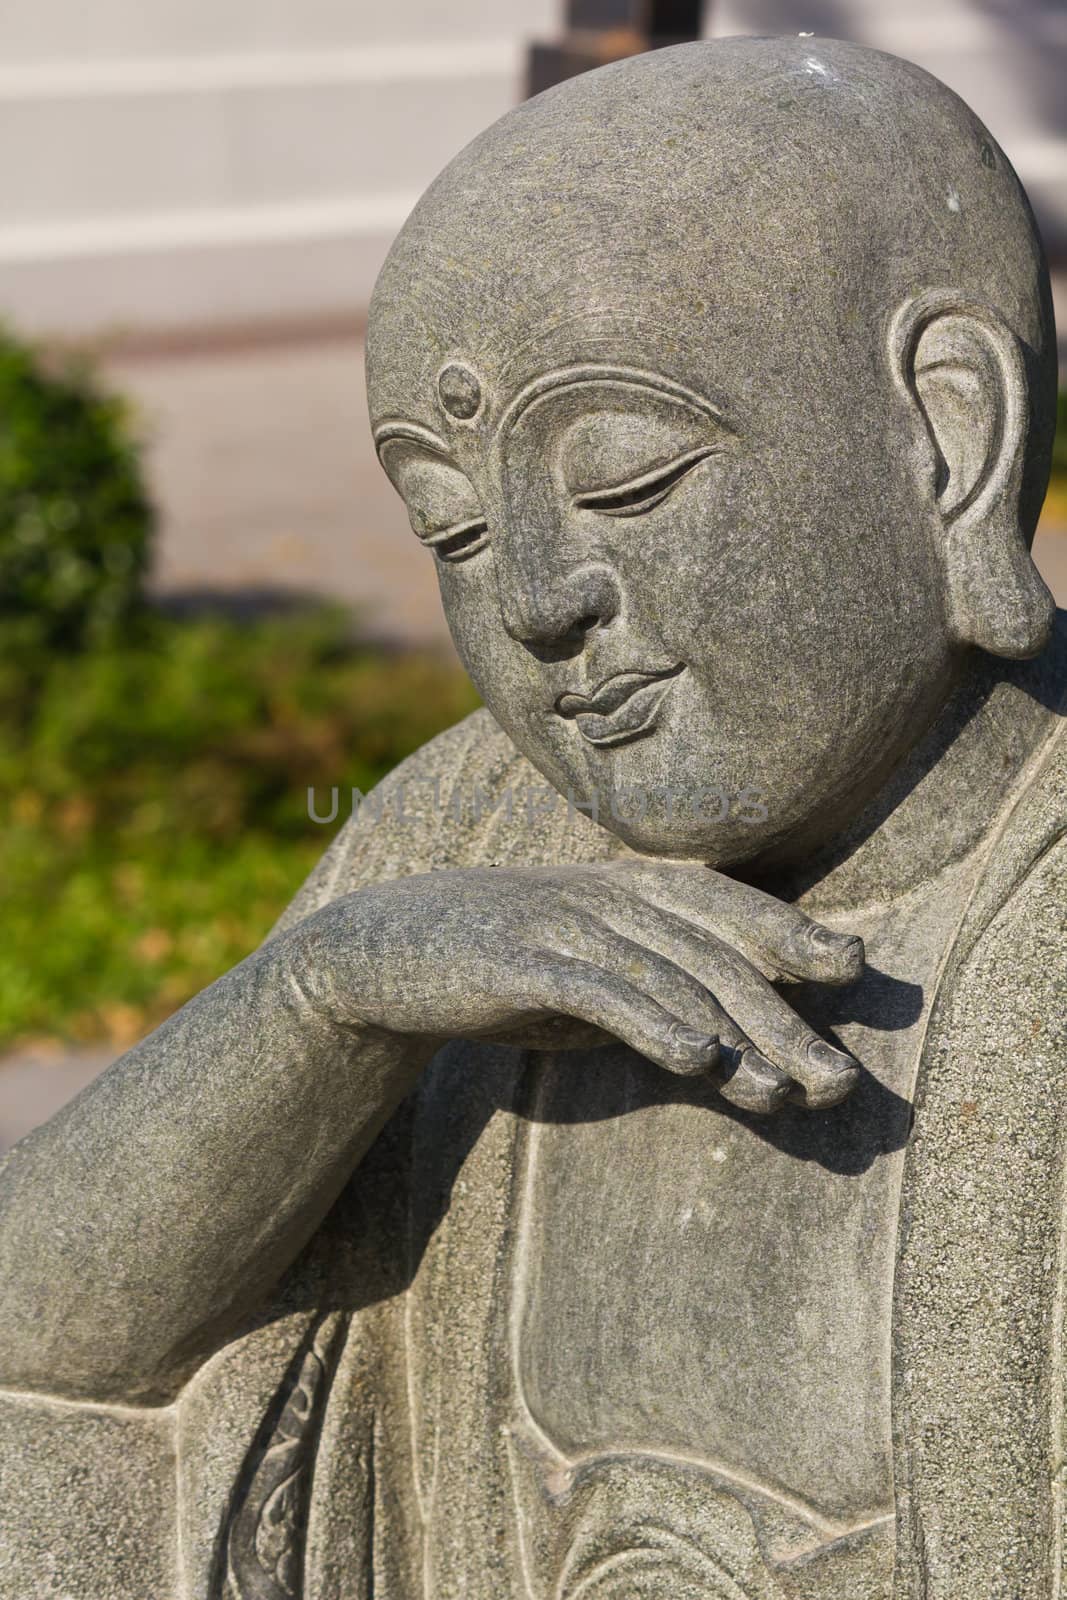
622,708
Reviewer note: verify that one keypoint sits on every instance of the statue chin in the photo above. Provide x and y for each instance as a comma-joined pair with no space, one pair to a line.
743,832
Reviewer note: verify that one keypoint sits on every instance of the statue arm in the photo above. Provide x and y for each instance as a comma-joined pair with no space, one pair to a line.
141,1225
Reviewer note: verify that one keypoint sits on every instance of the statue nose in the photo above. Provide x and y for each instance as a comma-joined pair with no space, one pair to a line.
560,608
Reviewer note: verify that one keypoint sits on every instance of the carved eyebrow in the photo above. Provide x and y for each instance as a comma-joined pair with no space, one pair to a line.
413,432
551,383
646,491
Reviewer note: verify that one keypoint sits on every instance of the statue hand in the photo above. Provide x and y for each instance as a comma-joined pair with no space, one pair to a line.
674,960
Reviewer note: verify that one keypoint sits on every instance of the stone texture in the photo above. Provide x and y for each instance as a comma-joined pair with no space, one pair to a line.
665,1202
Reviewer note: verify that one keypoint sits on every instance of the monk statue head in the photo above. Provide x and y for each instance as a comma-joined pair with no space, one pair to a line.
719,384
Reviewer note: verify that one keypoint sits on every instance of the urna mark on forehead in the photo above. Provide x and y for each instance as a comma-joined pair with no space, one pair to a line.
716,190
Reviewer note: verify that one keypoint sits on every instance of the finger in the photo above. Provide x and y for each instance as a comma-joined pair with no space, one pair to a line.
585,990
784,938
825,1074
751,1082
810,951
743,1076
745,999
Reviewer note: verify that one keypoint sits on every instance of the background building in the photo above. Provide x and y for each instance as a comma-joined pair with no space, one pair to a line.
176,163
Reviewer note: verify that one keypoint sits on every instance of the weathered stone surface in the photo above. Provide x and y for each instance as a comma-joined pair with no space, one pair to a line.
665,1202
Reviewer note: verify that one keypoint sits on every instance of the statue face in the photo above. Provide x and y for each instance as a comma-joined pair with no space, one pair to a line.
629,365
714,622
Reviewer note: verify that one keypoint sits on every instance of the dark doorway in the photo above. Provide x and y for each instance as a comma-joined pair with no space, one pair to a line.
599,31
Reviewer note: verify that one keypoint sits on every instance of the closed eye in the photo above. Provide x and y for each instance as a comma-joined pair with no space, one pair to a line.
641,494
460,541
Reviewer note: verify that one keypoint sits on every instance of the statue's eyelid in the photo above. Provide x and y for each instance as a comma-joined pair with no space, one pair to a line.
459,541
454,541
642,493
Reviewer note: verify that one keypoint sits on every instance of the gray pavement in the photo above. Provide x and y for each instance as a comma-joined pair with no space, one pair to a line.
35,1083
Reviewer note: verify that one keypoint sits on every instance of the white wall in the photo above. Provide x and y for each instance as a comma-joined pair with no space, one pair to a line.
174,162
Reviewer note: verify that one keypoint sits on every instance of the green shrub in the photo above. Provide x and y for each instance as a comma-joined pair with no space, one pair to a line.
75,520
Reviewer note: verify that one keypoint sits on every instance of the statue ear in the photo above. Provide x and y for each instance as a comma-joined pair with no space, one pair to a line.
961,368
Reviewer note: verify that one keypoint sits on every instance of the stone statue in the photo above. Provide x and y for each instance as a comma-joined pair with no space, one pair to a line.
634,1166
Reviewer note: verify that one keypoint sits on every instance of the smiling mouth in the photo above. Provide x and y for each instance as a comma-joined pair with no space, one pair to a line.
622,708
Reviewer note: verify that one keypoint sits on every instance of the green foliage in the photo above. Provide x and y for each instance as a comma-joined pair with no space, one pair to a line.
75,521
153,803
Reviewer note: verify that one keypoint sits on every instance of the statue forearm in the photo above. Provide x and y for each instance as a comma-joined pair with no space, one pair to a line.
141,1224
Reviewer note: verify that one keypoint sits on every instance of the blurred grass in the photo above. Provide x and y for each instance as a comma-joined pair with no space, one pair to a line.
153,802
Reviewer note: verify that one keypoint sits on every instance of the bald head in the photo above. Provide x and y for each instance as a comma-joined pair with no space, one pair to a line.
707,194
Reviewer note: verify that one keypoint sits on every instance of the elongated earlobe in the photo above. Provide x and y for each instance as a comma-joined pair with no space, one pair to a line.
961,368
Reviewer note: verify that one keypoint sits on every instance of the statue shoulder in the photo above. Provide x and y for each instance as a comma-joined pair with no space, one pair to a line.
467,798
1010,974
1030,852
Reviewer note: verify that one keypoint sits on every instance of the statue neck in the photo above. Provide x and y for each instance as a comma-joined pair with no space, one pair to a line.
947,796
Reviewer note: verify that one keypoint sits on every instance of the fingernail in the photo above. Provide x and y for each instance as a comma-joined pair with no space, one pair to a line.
775,1080
821,1054
829,940
757,1085
693,1039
